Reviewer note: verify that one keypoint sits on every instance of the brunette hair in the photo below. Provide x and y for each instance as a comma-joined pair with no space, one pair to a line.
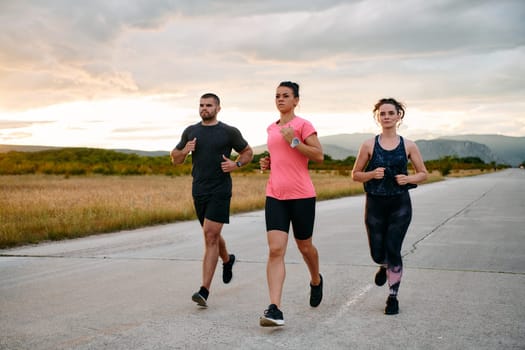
212,95
291,85
400,107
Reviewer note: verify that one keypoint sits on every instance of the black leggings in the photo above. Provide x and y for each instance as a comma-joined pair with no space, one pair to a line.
387,219
300,212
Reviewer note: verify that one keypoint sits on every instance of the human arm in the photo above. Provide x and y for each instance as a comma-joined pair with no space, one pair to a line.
245,157
311,147
364,155
178,156
415,157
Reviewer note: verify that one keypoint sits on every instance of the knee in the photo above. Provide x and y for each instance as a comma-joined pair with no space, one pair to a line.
276,252
306,248
211,238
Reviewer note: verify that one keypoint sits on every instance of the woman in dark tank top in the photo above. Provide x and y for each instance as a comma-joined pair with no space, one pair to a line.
381,166
395,162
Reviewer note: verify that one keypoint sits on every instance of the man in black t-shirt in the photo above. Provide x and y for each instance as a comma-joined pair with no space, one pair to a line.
210,143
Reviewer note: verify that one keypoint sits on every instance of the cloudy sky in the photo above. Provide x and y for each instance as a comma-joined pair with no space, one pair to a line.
129,73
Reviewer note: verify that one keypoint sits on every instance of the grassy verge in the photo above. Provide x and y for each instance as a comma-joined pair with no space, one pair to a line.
36,208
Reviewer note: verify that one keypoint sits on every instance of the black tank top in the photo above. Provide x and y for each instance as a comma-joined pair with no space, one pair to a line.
395,162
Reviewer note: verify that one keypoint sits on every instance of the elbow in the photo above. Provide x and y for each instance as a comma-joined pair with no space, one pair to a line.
176,160
250,156
421,176
247,154
357,176
318,158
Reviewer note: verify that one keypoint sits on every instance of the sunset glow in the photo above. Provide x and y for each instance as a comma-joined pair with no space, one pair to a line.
98,74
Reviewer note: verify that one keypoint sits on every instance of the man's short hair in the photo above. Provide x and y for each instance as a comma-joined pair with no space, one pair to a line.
212,95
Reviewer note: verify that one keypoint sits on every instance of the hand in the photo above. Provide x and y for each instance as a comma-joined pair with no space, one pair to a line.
228,165
190,145
379,173
264,163
401,179
288,133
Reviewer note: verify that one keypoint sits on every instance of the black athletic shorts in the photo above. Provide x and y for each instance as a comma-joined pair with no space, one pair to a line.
214,207
300,212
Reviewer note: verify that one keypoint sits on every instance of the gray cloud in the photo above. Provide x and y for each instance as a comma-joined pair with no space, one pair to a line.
15,124
13,136
343,52
138,129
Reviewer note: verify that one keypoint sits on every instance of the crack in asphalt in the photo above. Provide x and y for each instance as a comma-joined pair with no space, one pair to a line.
455,215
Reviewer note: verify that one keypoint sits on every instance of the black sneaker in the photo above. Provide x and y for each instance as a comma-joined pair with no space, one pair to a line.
380,278
392,305
200,297
273,317
227,269
316,293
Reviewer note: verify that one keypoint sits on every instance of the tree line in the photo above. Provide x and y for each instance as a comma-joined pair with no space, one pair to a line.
86,161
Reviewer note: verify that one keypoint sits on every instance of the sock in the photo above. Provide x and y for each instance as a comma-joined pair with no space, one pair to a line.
204,292
394,289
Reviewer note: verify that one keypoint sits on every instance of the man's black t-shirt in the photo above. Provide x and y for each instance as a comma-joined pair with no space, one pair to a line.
213,142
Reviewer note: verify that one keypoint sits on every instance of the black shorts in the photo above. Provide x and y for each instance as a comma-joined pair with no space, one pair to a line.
300,212
214,207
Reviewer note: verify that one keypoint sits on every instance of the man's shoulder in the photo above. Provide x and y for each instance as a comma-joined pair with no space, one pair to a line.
228,127
193,126
223,125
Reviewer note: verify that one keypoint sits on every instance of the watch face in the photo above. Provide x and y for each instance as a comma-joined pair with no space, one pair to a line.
295,142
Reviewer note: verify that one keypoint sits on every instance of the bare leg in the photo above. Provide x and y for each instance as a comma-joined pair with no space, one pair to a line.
311,258
223,252
275,269
212,238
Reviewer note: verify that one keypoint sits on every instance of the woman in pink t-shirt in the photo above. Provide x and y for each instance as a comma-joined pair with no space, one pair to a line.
290,197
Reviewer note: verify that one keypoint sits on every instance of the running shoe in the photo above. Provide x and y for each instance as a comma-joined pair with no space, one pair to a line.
227,269
316,293
273,317
200,297
380,278
392,305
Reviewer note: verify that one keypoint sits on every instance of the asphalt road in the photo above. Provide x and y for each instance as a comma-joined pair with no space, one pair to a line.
463,285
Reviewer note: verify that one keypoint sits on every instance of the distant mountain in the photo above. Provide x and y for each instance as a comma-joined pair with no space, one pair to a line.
508,149
143,153
348,144
342,146
490,148
338,146
24,148
435,149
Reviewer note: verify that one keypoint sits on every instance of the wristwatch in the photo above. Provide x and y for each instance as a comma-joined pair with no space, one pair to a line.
295,142
239,164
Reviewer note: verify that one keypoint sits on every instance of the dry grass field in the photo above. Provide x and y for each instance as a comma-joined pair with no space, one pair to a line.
35,208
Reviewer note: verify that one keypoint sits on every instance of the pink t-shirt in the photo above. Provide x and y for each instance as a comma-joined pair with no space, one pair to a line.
289,177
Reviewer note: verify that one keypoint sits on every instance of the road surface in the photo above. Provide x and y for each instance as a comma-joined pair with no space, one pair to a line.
463,285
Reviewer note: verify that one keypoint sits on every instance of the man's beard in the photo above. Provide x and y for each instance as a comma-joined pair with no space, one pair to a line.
207,117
